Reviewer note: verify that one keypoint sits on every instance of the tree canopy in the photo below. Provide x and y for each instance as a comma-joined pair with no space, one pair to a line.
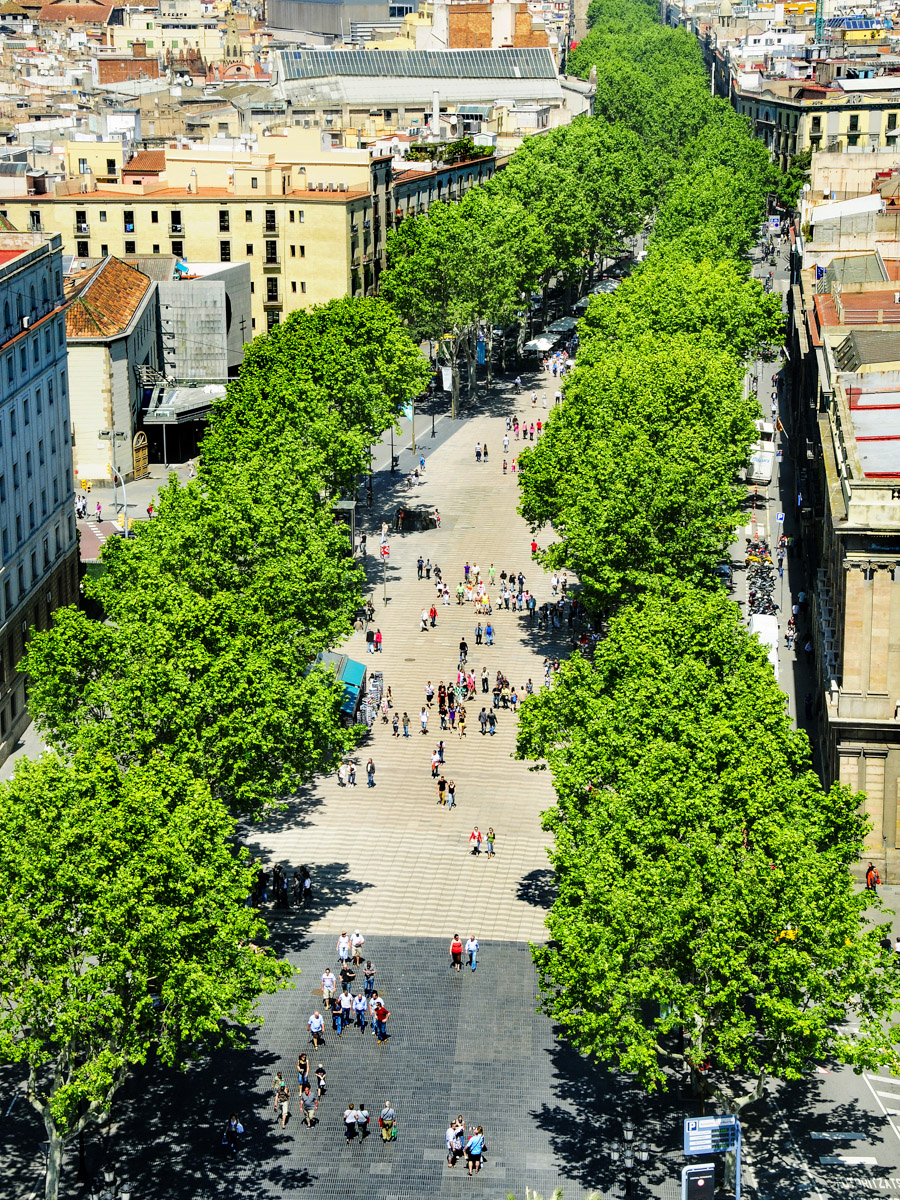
124,931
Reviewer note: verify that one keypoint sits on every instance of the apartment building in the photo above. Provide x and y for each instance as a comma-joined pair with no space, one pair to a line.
38,550
311,222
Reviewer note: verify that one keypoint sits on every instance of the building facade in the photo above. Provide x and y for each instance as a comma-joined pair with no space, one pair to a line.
38,547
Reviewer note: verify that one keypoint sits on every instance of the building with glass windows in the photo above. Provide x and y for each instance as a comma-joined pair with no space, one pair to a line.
38,549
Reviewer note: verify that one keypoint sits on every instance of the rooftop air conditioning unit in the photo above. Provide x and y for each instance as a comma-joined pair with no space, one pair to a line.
26,321
343,187
332,187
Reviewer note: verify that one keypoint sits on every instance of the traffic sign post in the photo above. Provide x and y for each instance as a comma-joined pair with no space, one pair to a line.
698,1181
714,1135
385,555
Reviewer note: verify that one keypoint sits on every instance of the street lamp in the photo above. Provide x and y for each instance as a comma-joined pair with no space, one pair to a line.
111,1188
626,1153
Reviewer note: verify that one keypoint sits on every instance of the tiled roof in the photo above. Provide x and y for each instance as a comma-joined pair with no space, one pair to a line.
94,14
104,299
6,225
11,9
145,162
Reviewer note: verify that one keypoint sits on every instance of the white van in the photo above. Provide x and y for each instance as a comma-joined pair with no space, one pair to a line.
762,454
765,626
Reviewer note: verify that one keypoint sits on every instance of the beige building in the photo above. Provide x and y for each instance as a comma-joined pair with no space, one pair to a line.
310,222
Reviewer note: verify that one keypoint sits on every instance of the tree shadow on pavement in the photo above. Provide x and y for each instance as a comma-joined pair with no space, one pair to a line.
538,887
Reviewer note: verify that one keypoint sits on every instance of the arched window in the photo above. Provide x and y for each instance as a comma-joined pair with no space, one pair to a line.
7,315
33,298
45,294
19,313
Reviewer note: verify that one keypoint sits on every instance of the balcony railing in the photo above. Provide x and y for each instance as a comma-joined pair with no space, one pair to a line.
271,265
176,227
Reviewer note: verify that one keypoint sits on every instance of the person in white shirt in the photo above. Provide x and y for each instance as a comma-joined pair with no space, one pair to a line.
357,941
472,951
316,1026
346,1003
343,947
360,1010
374,1001
329,983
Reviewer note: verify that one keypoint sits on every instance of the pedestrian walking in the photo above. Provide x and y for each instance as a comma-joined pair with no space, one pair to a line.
388,1123
454,1139
475,840
442,790
435,763
406,725
357,941
381,1017
395,725
316,1027
423,719
309,1105
483,720
378,640
362,1122
351,774
342,775
423,621
370,773
321,1075
872,879
343,947
489,840
475,1150
349,1119
282,1100
427,568
369,974
451,795
234,1130
360,1008
456,950
472,951
420,566
432,616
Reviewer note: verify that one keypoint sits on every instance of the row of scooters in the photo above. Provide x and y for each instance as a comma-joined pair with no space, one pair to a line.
760,577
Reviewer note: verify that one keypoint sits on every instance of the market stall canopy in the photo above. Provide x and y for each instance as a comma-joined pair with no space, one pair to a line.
539,345
563,325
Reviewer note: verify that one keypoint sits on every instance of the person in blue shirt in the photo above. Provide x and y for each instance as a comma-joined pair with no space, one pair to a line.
475,1150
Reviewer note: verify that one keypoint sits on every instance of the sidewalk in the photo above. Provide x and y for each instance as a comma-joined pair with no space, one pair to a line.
388,859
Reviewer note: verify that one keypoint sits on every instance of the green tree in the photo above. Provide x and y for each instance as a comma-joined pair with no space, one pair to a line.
672,293
636,471
124,932
705,914
336,376
216,610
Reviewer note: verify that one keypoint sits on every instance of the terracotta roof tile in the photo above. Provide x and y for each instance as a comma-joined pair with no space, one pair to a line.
95,14
146,161
104,299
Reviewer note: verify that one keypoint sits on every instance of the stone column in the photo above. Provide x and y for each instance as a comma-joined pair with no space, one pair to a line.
875,761
880,637
854,608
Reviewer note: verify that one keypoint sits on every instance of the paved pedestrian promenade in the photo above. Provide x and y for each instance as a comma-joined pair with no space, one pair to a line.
388,858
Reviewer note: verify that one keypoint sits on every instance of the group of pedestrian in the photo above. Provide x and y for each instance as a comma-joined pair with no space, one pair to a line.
284,890
459,1143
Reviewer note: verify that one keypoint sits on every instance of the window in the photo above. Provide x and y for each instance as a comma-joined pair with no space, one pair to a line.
128,218
36,350
178,249
302,286
293,251
854,123
19,536
5,544
28,470
102,216
83,167
7,595
23,358
2,489
271,290
303,252
10,368
34,220
270,220
852,139
50,392
271,252
177,226
223,222
300,215
130,247
271,319
293,285
56,494
252,287
254,182
81,221
39,401
248,215
31,520
43,503
45,546
13,424
156,248
81,249
48,340
892,120
41,451
65,433
154,217
26,411
110,166
15,467
224,251
104,250
291,215
252,319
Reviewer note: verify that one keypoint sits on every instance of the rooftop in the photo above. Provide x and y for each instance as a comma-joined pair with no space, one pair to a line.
103,299
419,64
146,162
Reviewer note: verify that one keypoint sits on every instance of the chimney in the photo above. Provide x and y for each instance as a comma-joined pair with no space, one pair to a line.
436,113
139,50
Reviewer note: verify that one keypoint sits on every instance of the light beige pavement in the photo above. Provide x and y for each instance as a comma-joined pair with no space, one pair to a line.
389,859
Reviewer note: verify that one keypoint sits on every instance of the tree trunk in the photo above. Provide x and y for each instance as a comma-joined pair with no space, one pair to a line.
54,1164
454,388
472,359
489,352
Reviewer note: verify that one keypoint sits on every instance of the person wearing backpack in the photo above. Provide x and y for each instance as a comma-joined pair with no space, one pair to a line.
872,879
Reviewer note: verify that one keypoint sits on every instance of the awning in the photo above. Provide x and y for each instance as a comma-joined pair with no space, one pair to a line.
539,345
349,673
563,325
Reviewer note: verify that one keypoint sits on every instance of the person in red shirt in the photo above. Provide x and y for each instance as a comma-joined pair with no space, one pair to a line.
456,949
380,1016
533,547
475,839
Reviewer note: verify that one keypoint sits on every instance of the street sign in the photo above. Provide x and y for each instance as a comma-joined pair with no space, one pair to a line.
779,517
698,1181
710,1135
385,551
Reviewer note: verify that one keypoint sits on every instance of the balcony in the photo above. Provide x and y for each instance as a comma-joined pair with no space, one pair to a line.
269,303
271,266
82,229
271,231
175,227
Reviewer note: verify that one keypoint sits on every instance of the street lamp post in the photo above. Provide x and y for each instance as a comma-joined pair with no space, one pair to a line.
626,1153
111,1188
